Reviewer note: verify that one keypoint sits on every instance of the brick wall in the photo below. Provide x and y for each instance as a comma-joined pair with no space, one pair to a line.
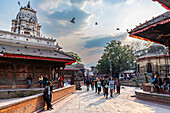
34,103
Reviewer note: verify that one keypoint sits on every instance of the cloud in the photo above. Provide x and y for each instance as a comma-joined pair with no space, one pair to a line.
101,42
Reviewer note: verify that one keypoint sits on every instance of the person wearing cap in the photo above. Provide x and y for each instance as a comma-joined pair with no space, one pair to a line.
47,96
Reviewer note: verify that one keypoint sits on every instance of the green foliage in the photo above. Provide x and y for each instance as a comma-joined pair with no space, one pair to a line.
76,55
120,56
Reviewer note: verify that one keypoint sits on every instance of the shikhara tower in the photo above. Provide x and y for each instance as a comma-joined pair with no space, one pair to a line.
26,22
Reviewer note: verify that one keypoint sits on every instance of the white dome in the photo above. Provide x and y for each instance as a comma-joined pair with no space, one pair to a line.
27,14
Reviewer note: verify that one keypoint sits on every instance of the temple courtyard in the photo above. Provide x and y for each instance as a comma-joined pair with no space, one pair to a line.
89,102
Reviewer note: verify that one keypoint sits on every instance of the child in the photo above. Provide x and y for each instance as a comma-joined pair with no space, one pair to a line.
92,85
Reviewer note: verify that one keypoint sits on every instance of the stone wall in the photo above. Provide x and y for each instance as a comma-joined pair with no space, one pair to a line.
34,103
165,99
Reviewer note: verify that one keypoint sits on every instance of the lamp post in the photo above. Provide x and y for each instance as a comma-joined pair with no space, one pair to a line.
110,61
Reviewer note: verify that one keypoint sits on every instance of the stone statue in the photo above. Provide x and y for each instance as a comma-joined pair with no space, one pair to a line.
28,4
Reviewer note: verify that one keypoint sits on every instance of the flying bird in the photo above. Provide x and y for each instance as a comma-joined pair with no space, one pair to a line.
19,3
117,29
96,23
73,20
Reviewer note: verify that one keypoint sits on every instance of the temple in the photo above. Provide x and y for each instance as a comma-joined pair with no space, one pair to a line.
24,52
156,59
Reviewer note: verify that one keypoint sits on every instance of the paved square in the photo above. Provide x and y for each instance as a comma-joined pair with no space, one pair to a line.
90,102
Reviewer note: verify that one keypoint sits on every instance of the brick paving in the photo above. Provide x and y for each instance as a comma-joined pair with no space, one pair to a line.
89,102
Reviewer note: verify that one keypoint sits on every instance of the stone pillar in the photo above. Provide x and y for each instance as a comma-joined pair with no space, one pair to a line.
33,75
14,79
49,74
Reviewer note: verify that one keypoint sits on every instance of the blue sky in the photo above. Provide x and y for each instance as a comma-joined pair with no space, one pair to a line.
84,37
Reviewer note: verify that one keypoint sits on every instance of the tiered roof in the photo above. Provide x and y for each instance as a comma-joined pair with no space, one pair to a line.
164,3
155,30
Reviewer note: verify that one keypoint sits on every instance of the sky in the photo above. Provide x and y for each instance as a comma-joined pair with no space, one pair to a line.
84,37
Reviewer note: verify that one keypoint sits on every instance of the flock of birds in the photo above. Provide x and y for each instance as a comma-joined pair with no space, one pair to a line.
73,21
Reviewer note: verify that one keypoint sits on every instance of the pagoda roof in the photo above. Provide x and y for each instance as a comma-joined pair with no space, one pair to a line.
164,3
155,30
11,51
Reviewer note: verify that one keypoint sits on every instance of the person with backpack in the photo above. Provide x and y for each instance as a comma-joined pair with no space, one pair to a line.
106,87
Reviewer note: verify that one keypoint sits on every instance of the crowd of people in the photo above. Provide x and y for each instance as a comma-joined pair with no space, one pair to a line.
103,84
159,83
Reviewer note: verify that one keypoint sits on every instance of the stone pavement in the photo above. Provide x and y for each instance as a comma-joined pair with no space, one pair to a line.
90,102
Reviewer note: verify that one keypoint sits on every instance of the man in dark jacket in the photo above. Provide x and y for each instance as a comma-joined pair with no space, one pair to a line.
95,84
47,93
29,80
87,84
106,86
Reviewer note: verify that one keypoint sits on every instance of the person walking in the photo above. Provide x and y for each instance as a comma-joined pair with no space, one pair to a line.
47,96
102,84
92,85
87,84
29,80
106,87
111,87
95,83
40,80
118,86
99,86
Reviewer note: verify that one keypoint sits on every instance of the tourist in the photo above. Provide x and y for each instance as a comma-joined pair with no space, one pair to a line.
45,81
106,86
118,86
99,86
51,90
152,80
47,96
156,83
111,87
87,84
40,80
60,81
29,80
165,82
95,83
92,85
160,83
102,84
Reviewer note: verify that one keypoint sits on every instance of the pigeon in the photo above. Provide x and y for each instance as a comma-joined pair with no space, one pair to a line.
17,42
73,20
96,23
117,29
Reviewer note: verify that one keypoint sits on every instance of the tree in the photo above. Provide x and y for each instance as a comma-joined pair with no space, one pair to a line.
76,55
120,56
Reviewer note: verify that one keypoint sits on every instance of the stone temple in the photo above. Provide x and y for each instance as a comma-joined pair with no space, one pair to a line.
24,52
